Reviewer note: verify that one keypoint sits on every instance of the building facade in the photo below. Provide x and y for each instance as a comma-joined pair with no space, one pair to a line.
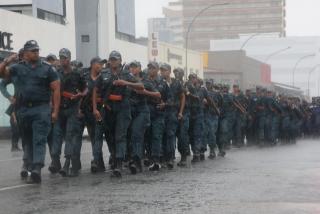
106,25
294,60
236,68
228,21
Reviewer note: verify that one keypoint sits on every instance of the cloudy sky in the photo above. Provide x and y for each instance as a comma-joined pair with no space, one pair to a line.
303,16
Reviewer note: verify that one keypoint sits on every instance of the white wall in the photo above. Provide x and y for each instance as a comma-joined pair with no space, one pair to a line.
12,2
50,36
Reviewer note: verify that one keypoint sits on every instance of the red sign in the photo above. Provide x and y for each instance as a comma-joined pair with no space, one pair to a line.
266,73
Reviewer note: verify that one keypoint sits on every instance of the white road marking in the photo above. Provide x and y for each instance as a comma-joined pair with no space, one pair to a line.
14,187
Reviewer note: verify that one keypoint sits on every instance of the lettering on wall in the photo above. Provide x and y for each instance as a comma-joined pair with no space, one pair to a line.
6,41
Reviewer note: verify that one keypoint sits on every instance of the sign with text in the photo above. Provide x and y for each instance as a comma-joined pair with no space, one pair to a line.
153,46
6,41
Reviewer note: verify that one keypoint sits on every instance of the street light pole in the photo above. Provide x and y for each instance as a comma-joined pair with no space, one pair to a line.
276,53
297,63
246,42
190,26
309,76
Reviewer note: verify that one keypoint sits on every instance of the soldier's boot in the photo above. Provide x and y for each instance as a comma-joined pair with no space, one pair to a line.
202,157
133,167
55,166
66,168
195,159
116,172
101,165
76,165
222,153
170,164
24,170
94,166
212,154
35,177
15,148
155,166
183,161
112,163
97,166
139,164
147,162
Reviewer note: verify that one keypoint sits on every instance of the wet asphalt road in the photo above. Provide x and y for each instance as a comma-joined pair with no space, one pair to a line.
282,179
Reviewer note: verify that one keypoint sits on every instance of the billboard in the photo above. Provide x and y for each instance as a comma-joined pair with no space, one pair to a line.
125,17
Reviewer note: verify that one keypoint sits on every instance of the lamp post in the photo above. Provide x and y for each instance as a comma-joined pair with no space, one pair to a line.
276,53
251,37
190,26
309,76
297,63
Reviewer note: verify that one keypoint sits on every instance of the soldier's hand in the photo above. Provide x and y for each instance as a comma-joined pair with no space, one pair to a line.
54,117
120,83
161,106
97,115
12,100
205,101
140,91
180,116
76,96
11,58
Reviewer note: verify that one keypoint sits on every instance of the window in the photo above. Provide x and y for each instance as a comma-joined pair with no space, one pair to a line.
85,38
17,11
51,17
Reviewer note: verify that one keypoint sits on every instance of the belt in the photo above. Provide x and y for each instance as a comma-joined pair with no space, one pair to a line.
68,95
113,97
33,104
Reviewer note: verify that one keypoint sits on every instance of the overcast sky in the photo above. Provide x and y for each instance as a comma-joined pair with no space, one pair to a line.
303,16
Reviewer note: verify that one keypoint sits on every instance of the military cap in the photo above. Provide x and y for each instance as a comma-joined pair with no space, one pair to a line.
97,60
178,70
31,45
165,66
192,76
153,64
64,52
135,64
51,57
115,55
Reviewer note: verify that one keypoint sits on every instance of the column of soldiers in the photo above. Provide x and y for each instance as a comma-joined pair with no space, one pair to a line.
144,116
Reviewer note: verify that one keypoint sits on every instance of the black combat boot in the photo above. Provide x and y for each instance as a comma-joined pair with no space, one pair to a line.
195,159
55,166
24,170
202,157
222,153
116,172
170,164
183,161
15,148
212,154
133,167
101,165
74,170
155,166
94,166
35,177
65,169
